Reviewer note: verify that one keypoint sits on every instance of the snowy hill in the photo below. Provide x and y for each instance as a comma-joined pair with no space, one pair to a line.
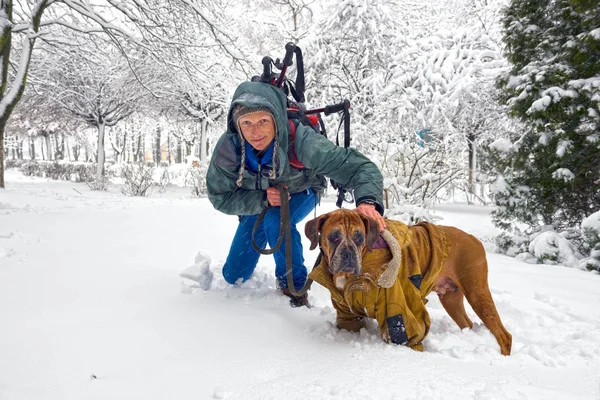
92,307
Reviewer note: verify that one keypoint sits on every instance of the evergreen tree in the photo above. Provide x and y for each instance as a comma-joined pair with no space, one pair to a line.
552,173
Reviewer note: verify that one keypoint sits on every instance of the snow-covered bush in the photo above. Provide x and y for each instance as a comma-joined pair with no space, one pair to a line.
83,172
554,248
98,184
545,246
410,214
138,179
590,228
60,170
417,175
196,177
31,168
13,163
512,245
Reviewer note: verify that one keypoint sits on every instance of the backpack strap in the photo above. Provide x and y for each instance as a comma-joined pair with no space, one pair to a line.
294,162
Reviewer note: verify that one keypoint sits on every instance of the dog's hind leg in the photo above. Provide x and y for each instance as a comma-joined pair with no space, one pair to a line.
454,305
480,299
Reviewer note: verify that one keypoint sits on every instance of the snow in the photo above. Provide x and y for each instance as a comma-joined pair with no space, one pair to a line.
552,248
93,307
592,222
502,145
564,174
540,104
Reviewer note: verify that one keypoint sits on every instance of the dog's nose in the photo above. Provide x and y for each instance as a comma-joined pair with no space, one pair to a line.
348,261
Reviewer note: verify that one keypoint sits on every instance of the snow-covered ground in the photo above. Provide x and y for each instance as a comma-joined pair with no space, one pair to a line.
92,307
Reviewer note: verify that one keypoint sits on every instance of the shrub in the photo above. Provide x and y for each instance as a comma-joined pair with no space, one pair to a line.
16,163
590,228
84,172
196,178
31,168
137,179
98,184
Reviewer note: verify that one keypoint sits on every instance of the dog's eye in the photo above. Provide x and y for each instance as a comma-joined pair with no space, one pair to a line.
358,238
335,237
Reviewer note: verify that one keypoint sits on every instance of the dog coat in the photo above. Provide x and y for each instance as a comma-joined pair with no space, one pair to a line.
400,308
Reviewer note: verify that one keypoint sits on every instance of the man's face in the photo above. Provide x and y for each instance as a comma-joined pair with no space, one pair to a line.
258,129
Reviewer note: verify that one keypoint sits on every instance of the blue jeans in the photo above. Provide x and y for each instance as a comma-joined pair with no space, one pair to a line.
242,258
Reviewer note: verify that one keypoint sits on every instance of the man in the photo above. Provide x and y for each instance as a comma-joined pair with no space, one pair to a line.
252,157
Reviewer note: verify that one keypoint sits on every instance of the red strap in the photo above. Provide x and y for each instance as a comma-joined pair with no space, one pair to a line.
294,162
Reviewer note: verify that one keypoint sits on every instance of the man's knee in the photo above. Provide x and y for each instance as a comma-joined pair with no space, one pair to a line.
233,273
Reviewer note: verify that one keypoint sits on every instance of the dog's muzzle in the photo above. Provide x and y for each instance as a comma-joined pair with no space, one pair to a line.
346,261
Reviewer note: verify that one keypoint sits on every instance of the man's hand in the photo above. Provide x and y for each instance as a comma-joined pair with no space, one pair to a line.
273,197
370,211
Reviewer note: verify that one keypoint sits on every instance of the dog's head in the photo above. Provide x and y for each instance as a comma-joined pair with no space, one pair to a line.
344,237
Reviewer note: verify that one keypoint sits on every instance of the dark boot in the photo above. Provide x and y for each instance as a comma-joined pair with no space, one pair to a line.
296,301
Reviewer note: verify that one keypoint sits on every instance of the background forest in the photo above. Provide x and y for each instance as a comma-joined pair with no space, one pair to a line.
488,102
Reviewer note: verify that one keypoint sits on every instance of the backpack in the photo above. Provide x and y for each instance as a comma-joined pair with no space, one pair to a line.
313,121
296,114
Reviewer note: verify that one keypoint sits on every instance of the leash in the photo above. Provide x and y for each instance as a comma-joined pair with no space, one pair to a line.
285,230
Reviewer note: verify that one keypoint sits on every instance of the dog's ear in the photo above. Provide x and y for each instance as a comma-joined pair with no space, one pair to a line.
313,228
371,231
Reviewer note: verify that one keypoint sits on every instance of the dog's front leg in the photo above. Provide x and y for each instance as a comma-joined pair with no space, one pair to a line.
346,319
353,325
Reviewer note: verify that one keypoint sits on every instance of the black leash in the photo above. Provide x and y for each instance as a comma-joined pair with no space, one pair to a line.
285,229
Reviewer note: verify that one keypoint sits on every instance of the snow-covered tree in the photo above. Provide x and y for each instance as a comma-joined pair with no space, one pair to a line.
165,29
552,173
99,90
349,57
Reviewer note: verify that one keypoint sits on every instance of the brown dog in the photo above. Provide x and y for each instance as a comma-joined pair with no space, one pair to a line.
428,258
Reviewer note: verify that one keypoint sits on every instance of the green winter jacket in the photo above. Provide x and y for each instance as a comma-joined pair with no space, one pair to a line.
321,158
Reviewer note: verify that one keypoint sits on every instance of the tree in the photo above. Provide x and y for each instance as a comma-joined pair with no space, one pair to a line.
551,176
97,89
165,29
36,116
351,54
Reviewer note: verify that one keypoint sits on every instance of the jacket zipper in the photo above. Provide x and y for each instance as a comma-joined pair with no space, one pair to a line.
258,180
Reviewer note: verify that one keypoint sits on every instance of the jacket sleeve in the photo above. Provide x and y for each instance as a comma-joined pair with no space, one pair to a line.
223,192
346,166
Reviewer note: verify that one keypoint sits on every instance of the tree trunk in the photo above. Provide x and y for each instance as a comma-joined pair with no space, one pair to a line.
76,150
67,150
169,146
471,144
203,140
9,98
157,147
32,148
100,170
20,149
124,147
188,149
59,147
179,156
48,147
2,157
139,157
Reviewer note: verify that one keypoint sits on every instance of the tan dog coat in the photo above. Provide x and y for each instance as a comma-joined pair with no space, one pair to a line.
400,309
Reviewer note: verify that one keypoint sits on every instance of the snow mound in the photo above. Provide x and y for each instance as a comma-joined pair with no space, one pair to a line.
553,248
200,271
